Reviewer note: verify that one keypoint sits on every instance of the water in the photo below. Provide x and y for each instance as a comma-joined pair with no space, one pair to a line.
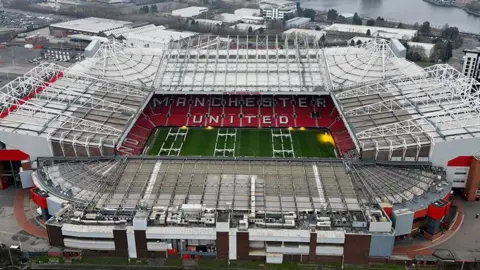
408,11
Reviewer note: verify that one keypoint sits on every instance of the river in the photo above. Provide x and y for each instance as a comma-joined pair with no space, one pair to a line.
408,11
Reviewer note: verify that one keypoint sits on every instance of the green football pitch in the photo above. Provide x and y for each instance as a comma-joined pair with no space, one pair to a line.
240,142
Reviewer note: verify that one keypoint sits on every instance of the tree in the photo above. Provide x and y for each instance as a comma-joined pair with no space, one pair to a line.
425,28
414,56
153,8
370,22
309,13
416,26
341,19
359,42
332,15
356,19
144,9
250,29
352,42
450,33
380,21
368,33
449,51
299,8
445,26
400,26
317,28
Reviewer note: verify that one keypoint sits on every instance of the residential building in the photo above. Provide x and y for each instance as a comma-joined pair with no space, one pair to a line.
471,63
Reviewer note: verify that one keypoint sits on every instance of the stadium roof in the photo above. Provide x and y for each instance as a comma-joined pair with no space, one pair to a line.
268,64
389,104
371,61
68,107
117,62
279,186
412,111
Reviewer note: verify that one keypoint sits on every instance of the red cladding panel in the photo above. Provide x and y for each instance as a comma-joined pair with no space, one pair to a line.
38,199
388,211
172,251
420,213
438,212
14,155
460,161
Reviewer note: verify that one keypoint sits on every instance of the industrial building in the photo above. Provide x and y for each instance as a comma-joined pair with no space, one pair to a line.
309,34
424,49
190,12
375,31
87,26
297,22
471,63
402,134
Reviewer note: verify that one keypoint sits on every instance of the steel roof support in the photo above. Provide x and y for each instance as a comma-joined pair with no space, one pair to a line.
457,117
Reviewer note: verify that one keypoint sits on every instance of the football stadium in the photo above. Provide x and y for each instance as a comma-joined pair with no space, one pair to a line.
243,148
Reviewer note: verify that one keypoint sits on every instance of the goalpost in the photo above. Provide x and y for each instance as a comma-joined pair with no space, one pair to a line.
284,137
223,149
179,136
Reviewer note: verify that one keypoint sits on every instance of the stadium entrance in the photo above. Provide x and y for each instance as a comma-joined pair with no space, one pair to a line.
10,167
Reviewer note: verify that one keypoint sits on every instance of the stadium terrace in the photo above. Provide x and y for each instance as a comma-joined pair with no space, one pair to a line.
242,148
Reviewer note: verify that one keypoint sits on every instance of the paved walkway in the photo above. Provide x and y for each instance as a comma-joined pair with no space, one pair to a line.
428,247
20,209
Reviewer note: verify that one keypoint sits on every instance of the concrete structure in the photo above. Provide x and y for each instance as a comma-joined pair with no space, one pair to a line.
471,63
190,12
87,26
424,49
277,9
375,31
297,22
314,35
398,49
247,12
92,48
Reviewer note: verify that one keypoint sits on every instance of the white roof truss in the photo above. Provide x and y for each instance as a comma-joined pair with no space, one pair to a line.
461,116
36,115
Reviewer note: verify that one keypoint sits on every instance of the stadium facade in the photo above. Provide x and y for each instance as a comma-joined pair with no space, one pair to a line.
399,131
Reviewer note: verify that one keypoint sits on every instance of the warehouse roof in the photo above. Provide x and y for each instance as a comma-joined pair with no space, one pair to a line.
375,31
126,30
189,11
228,17
91,25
